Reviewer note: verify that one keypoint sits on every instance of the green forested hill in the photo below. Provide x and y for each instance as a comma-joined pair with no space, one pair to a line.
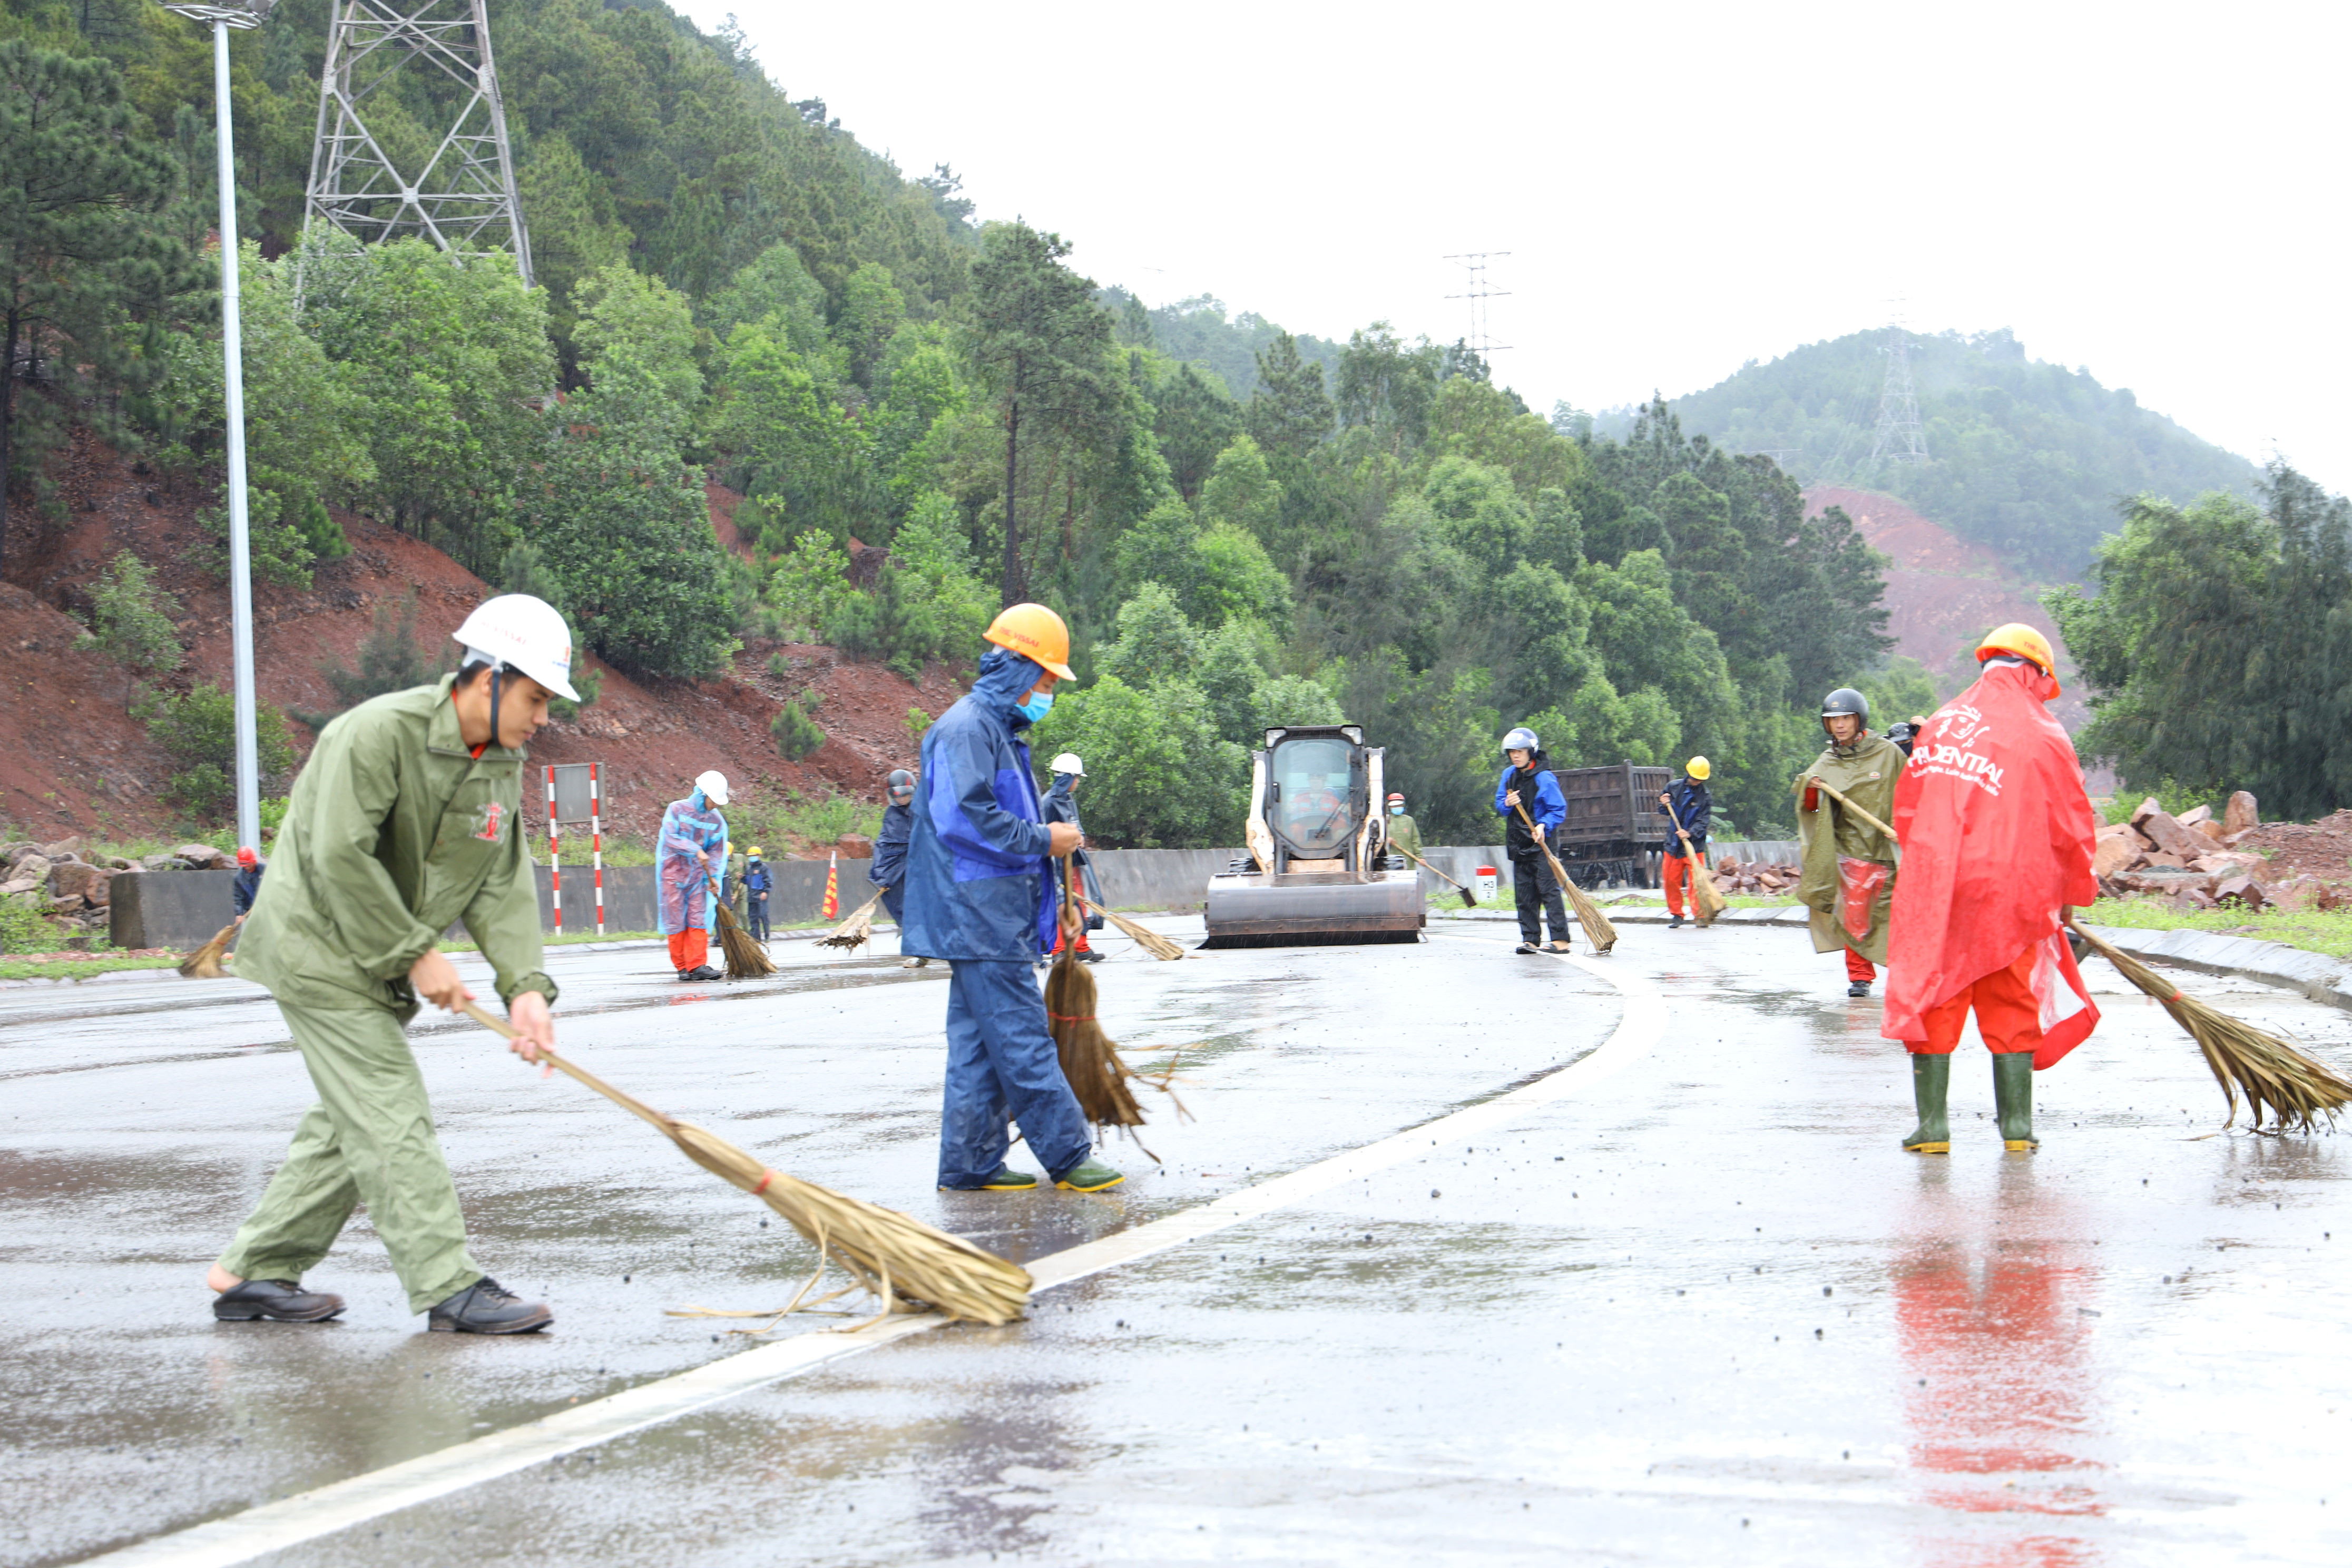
2030,457
1243,527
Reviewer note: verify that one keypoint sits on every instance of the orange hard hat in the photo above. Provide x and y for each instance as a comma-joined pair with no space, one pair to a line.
1033,632
2020,639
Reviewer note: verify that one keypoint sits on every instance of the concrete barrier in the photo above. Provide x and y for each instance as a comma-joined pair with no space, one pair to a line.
168,908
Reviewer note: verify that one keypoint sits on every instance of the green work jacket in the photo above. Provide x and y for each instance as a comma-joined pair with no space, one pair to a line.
1405,834
1865,774
394,832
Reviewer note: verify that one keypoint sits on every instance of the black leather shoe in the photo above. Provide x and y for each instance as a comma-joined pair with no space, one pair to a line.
703,972
280,1301
487,1307
1859,988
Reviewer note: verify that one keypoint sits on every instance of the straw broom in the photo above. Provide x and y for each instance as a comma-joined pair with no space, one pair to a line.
1142,935
1090,1058
853,933
2297,1088
209,962
900,1259
746,959
1469,899
1597,929
1704,892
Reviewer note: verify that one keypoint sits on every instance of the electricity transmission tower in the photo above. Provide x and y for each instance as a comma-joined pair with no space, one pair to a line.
1899,437
1479,341
460,191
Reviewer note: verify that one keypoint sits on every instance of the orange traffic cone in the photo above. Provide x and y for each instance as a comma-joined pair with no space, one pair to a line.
832,887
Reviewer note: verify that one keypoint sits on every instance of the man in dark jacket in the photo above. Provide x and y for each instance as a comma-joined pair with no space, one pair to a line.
757,882
981,893
1062,805
1686,807
1527,784
888,871
242,891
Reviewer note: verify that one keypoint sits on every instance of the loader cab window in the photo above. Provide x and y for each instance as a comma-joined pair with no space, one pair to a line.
1314,784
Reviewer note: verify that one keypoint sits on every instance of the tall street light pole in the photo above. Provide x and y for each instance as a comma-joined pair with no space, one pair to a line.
240,568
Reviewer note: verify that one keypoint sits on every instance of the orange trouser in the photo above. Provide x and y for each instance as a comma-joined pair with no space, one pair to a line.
1675,874
690,949
2008,1016
1062,940
1859,969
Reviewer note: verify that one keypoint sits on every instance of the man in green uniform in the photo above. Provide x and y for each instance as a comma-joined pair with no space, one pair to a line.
1848,878
406,818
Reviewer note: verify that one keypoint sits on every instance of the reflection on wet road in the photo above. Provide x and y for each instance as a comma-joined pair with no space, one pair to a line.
1704,1310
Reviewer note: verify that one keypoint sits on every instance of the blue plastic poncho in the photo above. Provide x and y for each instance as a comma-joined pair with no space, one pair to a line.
979,881
685,892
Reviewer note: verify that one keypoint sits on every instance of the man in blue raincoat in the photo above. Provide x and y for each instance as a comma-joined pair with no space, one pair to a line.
888,871
980,894
689,867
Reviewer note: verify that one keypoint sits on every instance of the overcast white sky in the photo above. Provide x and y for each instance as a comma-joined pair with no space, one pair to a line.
2152,192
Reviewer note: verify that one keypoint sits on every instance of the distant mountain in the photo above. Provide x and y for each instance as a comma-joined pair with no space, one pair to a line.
2023,456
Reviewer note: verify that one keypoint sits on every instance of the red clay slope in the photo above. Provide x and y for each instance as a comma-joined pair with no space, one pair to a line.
1945,592
73,760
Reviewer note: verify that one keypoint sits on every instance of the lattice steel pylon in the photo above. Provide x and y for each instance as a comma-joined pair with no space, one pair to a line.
1899,439
462,196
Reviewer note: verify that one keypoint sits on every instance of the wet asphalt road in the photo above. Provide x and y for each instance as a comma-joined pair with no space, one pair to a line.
1703,1310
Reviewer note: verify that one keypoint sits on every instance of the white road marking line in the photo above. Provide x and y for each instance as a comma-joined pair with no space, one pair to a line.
307,1516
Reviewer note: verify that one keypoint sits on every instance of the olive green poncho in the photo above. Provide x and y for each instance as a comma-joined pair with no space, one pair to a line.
1864,773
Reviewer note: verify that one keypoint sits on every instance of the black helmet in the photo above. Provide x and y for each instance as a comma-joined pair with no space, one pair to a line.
902,783
1846,700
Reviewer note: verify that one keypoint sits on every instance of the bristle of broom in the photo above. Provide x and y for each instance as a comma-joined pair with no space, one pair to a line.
204,963
2298,1088
746,959
1090,1061
1598,930
1142,935
1467,901
896,1257
853,933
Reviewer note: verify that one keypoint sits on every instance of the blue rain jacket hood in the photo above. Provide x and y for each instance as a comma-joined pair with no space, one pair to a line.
889,866
979,882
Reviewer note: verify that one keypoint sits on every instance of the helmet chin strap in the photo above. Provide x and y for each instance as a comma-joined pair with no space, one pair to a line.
496,672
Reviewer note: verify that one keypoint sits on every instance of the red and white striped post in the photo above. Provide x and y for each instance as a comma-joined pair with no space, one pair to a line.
596,841
554,853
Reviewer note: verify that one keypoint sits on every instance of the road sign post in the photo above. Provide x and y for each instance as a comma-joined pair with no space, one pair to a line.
575,795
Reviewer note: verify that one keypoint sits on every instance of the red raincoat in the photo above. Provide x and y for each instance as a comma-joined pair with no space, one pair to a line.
1997,834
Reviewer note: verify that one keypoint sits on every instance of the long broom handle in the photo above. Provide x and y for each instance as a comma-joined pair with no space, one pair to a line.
1428,867
1829,790
499,1025
1533,832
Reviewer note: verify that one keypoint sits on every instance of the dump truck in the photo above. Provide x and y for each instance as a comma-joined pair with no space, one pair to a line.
1614,831
1319,868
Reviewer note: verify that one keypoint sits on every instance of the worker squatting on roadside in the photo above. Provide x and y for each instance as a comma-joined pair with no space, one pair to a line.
689,871
1528,782
1061,805
1849,872
887,870
982,894
406,819
1687,808
1997,833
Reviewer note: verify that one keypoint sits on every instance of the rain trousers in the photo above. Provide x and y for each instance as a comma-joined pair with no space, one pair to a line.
395,832
1997,835
685,896
888,871
981,895
1848,878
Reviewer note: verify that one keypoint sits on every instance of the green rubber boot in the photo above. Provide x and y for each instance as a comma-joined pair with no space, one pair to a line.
2013,1098
1931,1080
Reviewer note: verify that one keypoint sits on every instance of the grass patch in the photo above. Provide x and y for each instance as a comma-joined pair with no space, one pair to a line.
777,821
79,968
2314,931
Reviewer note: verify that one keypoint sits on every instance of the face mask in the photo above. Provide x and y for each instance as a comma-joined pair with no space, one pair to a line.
1036,706
1396,811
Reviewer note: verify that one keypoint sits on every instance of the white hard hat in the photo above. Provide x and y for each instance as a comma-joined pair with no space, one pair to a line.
713,784
517,632
1068,763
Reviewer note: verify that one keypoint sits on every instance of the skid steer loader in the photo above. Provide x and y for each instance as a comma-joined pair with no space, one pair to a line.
1317,869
